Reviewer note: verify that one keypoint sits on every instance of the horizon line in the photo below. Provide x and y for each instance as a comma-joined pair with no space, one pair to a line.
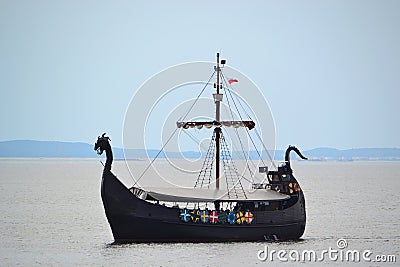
117,147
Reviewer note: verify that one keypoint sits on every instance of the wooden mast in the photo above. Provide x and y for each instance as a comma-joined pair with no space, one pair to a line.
217,100
217,135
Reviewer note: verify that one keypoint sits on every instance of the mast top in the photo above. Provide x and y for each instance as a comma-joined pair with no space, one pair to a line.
218,97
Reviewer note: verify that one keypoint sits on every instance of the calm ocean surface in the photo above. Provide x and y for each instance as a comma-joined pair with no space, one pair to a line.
52,214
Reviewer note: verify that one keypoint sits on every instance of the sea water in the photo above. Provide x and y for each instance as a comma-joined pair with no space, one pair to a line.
52,214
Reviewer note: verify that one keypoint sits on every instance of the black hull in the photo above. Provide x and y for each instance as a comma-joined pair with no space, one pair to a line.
135,220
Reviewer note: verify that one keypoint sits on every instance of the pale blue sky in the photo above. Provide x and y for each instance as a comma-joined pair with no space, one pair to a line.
330,70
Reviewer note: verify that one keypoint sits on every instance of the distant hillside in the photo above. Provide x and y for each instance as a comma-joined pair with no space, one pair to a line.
53,149
354,154
48,149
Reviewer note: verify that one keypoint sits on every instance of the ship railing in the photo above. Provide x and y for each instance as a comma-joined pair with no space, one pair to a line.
139,193
260,186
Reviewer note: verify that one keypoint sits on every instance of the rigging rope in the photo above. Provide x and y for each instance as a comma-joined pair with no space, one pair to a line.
207,167
169,139
235,188
259,137
252,141
195,139
240,140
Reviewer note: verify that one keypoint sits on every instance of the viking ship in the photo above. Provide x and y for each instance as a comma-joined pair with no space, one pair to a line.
271,210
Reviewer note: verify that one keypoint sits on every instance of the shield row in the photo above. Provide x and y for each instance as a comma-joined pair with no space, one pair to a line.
214,217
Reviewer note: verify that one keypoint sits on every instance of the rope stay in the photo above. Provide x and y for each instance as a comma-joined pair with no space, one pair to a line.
173,133
233,182
204,178
240,141
258,136
232,176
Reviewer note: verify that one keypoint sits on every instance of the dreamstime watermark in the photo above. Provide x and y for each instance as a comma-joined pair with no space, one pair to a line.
339,254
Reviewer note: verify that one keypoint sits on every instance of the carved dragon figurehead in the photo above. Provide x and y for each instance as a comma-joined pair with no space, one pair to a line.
103,144
287,154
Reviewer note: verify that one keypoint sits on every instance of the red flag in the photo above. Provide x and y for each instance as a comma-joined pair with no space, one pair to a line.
232,81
